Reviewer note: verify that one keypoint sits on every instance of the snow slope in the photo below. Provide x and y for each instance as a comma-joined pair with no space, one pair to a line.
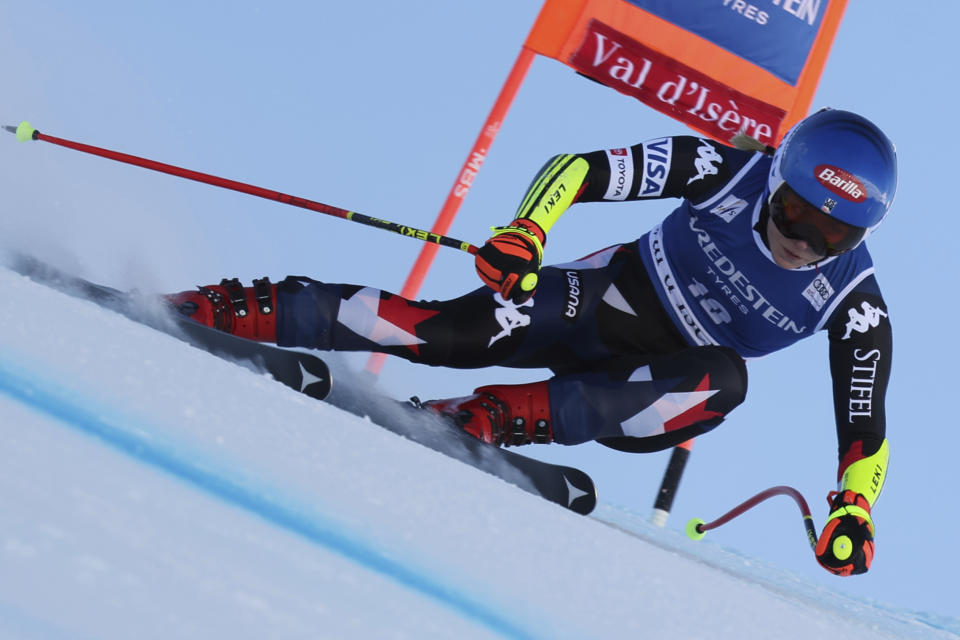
152,491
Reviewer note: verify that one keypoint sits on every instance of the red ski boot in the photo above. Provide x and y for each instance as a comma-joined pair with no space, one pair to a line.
508,415
246,312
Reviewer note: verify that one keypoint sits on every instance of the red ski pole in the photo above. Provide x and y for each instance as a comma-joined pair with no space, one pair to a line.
25,132
697,528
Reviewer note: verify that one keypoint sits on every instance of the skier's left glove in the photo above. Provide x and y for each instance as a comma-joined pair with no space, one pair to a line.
846,545
509,261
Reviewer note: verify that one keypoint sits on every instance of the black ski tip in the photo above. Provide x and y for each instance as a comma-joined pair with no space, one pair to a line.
581,492
316,380
10,128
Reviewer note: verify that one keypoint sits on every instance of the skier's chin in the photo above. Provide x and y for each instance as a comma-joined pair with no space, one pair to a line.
789,260
787,253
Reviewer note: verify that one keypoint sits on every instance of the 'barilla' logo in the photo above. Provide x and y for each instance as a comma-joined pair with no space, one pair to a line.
841,182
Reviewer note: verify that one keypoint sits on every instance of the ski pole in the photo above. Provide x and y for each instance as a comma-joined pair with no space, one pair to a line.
25,132
697,528
671,482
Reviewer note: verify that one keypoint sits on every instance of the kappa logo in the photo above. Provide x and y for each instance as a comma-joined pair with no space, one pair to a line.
818,292
509,317
863,322
730,208
704,164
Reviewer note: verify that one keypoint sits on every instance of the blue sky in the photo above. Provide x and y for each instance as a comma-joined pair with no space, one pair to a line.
373,107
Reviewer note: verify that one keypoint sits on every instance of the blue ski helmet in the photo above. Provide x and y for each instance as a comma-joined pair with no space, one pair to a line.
841,163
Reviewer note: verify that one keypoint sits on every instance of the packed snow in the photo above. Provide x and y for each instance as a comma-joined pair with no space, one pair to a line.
151,490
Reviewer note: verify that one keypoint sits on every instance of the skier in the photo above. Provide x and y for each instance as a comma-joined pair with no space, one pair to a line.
647,339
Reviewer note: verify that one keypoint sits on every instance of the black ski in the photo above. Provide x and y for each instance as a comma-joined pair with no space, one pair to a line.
304,372
566,486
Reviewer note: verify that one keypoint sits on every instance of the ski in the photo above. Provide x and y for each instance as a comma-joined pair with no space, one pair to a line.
566,486
310,375
303,372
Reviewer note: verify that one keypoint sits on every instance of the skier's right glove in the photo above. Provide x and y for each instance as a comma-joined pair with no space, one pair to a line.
846,545
509,261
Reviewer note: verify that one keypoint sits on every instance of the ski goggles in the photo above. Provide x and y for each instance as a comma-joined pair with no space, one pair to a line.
797,219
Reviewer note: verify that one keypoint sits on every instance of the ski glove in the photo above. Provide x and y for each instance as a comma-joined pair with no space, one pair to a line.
509,261
846,545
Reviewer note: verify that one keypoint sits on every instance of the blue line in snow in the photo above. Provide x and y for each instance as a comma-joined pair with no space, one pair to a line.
57,403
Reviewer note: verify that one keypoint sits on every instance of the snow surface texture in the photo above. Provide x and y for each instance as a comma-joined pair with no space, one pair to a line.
151,490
